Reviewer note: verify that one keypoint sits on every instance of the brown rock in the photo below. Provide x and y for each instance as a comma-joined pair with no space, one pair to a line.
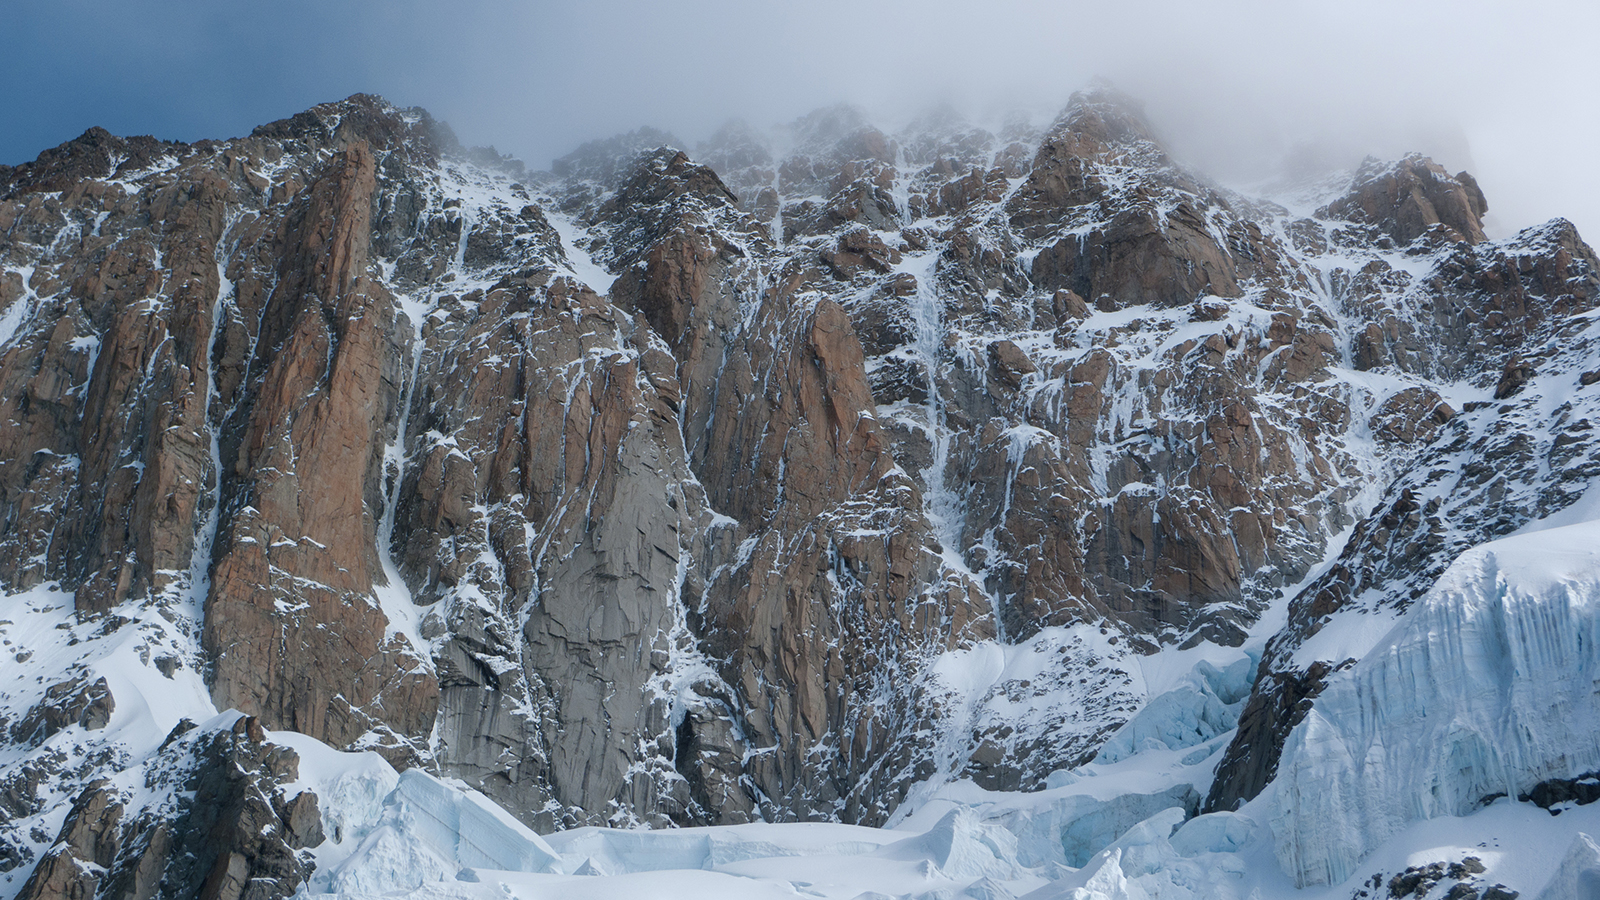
1116,249
1413,415
1515,374
249,728
60,877
1069,305
1408,198
304,821
1009,364
859,250
325,400
1136,259
1209,311
1399,551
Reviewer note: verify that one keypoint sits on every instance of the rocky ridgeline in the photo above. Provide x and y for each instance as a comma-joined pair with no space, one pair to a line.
650,489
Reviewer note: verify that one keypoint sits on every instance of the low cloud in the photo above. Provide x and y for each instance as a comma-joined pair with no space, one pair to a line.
1239,89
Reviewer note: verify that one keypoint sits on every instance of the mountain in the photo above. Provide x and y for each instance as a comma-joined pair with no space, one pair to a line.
376,513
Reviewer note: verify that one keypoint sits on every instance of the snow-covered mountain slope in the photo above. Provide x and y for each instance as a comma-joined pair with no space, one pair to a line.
377,516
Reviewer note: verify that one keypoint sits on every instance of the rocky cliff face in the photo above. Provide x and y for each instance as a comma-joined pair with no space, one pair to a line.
669,488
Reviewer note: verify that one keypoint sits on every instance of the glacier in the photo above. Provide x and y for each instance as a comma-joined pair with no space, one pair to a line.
1205,706
1486,687
432,831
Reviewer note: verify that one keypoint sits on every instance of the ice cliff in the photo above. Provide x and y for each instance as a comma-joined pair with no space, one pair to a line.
1485,688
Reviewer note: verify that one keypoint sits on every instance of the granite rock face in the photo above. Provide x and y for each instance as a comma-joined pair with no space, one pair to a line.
672,488
991,379
302,493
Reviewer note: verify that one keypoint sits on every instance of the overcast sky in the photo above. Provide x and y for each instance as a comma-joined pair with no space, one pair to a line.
1510,91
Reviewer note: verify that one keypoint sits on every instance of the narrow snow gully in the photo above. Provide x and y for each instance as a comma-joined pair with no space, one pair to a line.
394,596
944,507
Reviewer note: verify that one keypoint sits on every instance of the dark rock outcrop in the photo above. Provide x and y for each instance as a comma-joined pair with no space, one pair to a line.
77,701
1407,199
219,827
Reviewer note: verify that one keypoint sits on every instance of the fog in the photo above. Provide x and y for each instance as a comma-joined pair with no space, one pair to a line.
1240,90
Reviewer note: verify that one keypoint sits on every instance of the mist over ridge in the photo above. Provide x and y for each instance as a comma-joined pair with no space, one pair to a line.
1234,89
